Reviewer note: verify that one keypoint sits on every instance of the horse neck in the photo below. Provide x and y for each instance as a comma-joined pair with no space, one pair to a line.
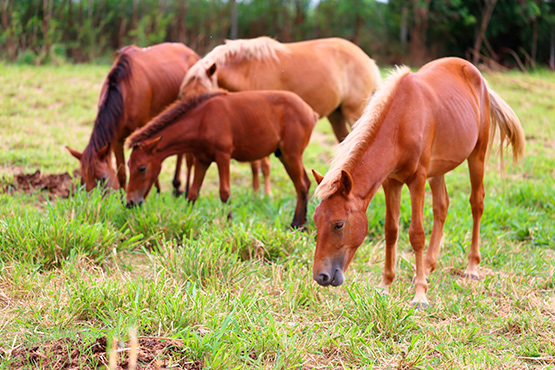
179,137
376,163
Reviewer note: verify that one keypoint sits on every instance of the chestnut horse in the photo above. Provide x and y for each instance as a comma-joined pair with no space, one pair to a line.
219,126
334,76
140,84
419,126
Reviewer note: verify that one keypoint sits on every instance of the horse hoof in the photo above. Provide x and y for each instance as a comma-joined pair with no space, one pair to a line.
471,276
420,305
177,193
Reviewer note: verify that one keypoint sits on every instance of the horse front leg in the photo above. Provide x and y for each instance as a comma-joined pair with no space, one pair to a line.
265,165
417,238
255,169
223,161
392,190
177,176
200,172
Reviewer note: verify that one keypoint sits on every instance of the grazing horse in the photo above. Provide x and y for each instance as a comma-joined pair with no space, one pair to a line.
334,76
140,84
419,126
219,126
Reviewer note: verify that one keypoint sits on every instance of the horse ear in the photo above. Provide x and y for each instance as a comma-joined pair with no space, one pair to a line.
211,70
151,145
74,153
317,177
103,153
345,183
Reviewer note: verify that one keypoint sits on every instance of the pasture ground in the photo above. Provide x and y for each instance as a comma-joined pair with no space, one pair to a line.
225,294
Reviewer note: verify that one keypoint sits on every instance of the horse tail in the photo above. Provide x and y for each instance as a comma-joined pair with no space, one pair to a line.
504,119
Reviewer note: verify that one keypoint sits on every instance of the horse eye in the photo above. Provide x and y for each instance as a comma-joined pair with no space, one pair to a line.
338,225
142,169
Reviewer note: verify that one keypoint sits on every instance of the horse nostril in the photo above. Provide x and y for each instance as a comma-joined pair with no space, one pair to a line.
130,204
323,278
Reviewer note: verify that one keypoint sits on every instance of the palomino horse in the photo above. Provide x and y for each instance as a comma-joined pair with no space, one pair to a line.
419,126
140,84
334,76
219,126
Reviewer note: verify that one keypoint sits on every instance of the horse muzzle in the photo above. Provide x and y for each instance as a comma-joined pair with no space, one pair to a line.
132,203
335,277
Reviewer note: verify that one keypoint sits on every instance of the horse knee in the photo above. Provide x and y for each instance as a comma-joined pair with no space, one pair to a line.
417,237
224,195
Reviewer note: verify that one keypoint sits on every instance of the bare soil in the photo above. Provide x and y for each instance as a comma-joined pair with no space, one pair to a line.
153,353
60,185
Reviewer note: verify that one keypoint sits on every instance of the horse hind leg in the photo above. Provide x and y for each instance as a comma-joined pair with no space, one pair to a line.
338,124
293,164
265,166
476,171
255,169
440,207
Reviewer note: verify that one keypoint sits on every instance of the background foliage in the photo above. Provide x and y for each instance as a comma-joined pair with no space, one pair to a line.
519,32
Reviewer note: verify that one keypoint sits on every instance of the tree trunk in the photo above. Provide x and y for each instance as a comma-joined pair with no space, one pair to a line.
356,32
234,19
552,51
534,41
486,16
404,18
418,31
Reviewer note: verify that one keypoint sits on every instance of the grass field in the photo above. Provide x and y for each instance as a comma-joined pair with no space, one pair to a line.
239,293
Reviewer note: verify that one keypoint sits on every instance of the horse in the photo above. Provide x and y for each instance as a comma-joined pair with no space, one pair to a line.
141,82
418,127
219,126
334,76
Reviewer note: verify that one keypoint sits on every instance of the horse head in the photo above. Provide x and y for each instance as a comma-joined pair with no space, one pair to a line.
96,168
341,225
144,168
199,80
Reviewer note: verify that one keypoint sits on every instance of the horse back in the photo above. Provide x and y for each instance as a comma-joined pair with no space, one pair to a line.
156,75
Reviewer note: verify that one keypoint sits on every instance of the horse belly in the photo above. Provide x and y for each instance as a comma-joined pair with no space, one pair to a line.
455,139
255,142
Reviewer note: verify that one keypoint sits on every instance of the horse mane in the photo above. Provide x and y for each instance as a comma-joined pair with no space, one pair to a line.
110,107
355,144
168,116
260,48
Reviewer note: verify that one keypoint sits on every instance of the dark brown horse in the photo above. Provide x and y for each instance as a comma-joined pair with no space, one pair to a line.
140,84
217,127
418,127
334,76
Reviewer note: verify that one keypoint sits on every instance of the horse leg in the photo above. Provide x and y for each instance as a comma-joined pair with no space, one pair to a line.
255,168
223,161
265,165
476,170
177,177
417,237
200,172
120,163
338,124
189,160
294,166
392,191
441,206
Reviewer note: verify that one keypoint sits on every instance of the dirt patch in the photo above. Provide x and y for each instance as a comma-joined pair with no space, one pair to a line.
60,185
153,353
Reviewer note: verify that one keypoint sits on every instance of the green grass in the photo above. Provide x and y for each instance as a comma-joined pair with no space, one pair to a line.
239,293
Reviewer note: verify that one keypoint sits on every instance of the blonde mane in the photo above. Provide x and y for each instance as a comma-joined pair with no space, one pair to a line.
355,144
260,48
